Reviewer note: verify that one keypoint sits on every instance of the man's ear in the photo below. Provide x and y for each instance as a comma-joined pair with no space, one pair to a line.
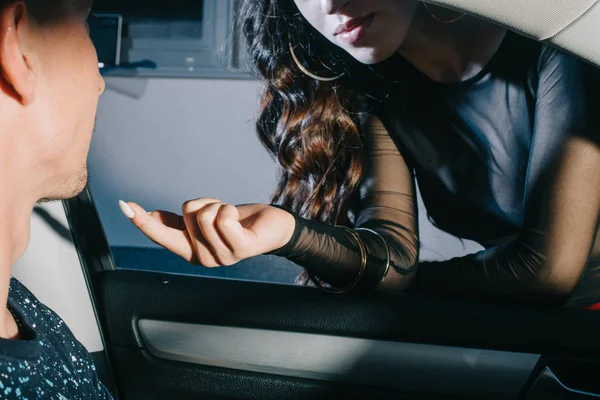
17,78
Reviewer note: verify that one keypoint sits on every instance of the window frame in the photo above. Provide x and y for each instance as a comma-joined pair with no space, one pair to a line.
216,55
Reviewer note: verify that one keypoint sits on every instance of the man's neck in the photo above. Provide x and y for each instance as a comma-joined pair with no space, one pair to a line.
8,326
15,217
450,52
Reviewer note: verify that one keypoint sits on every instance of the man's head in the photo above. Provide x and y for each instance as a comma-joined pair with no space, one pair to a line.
49,90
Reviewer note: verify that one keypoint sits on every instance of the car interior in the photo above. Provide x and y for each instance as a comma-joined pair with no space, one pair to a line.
159,328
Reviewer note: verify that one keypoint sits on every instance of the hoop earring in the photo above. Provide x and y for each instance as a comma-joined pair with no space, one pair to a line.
308,73
443,21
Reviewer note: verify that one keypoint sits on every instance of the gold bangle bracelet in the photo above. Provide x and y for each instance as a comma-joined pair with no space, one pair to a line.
387,251
363,266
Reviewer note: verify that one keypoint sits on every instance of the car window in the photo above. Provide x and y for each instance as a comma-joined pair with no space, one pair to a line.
155,144
170,134
155,137
158,150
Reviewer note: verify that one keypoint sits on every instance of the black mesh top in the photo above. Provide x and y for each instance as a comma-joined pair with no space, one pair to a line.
507,159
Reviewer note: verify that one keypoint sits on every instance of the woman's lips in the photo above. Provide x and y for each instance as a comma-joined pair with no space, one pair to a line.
354,30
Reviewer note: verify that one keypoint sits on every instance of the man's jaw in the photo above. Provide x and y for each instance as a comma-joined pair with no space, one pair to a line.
69,188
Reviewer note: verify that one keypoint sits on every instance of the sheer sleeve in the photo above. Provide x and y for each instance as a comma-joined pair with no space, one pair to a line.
548,259
387,206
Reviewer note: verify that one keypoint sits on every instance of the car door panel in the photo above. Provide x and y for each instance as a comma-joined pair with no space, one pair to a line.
458,358
281,332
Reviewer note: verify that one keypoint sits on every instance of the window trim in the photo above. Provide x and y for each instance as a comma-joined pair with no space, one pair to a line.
88,234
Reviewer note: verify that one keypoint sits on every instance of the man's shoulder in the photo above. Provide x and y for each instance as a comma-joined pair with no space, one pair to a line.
49,357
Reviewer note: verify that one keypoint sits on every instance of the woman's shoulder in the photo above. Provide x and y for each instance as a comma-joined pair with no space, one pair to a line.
541,64
548,57
551,56
555,65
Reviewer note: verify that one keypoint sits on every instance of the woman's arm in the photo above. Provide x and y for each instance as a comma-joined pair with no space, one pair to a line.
545,263
547,260
211,233
387,206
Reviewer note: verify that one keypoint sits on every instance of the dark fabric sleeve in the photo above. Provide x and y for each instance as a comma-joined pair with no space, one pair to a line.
546,262
387,206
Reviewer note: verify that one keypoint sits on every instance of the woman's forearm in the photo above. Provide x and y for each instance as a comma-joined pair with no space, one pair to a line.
333,255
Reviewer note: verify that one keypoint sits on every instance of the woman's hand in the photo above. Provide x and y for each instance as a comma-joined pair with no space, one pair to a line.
211,233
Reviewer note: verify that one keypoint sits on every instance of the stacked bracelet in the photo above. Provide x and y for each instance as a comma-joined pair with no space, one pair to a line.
363,266
387,252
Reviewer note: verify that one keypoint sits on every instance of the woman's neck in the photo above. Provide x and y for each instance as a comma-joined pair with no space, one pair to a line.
451,52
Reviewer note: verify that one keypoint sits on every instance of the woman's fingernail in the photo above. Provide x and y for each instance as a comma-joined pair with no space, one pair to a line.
125,209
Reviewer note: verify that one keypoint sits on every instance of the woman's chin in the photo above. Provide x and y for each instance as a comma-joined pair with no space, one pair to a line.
370,56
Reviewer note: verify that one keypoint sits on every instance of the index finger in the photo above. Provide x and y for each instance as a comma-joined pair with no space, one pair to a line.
175,240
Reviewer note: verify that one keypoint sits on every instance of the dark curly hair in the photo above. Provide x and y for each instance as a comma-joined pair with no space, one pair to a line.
310,127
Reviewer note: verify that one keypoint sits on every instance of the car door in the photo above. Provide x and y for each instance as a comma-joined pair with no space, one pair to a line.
180,336
174,331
